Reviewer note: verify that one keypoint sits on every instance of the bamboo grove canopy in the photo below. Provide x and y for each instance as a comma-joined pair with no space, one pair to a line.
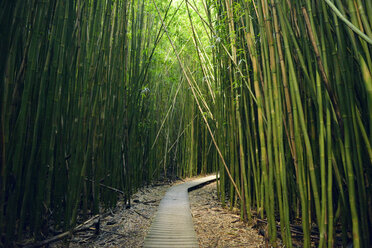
101,97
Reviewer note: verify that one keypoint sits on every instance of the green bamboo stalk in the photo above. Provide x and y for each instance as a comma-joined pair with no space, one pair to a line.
199,107
348,23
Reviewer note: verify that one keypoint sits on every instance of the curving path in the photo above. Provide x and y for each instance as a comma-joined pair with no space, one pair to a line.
172,225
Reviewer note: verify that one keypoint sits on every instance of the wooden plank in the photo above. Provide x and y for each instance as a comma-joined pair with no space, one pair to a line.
172,225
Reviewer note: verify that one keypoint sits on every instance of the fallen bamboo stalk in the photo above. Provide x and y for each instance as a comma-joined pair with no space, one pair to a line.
293,230
144,216
63,235
107,187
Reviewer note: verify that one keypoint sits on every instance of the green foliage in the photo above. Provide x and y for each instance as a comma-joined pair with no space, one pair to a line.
94,95
84,93
290,117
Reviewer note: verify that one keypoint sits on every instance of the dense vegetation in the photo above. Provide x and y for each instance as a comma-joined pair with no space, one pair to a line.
101,97
296,95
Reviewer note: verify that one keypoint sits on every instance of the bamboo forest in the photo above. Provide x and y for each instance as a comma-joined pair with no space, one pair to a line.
100,98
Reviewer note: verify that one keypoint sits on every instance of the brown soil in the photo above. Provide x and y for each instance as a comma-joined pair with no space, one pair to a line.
217,226
214,225
125,227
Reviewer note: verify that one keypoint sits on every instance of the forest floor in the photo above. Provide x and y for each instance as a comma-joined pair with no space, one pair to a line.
217,226
127,227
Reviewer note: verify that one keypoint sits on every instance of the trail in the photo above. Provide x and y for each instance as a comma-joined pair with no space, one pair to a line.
215,225
173,226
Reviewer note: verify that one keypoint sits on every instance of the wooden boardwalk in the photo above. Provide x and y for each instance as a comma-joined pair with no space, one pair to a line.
172,226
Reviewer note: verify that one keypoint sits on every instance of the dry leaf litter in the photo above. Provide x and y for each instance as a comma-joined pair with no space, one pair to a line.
217,226
214,225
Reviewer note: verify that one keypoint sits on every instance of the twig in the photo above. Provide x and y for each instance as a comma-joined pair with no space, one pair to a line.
139,214
148,202
234,221
292,229
112,232
62,235
107,187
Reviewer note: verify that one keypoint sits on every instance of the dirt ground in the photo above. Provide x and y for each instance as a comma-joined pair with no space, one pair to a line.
217,226
214,225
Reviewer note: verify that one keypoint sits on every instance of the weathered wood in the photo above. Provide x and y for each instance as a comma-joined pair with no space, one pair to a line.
173,226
